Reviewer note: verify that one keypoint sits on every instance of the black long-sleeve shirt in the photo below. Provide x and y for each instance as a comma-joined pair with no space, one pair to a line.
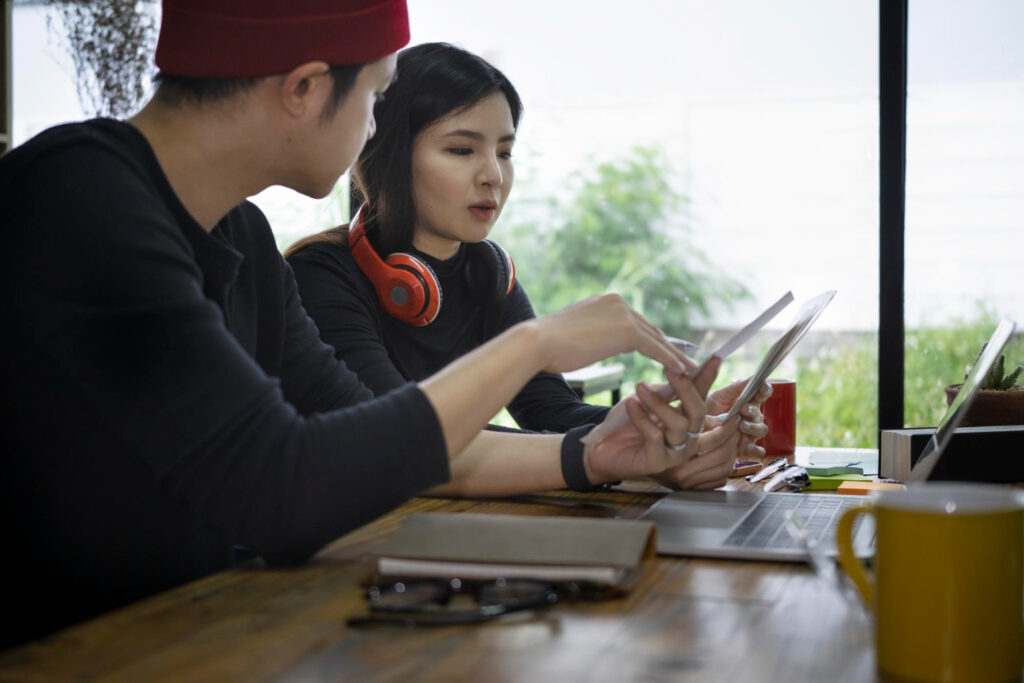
166,399
387,353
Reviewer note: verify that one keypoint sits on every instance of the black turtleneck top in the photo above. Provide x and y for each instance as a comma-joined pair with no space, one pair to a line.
387,353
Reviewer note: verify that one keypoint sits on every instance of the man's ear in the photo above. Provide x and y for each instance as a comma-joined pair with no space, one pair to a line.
301,86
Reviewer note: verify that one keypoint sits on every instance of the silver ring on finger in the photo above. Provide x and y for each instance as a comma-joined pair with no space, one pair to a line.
679,446
686,442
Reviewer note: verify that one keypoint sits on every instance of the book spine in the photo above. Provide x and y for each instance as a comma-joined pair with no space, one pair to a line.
896,454
886,455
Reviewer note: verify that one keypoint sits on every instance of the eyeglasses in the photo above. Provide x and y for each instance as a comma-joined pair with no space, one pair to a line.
436,602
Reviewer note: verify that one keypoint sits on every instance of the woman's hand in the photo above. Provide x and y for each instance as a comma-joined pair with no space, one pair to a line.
712,465
660,437
721,443
598,327
751,426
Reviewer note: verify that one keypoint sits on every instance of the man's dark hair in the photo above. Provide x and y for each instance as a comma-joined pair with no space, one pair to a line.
176,90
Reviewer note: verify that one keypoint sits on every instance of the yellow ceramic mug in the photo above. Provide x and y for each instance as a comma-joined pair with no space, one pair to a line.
948,585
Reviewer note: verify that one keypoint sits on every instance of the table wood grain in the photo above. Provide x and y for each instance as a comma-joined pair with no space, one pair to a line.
686,619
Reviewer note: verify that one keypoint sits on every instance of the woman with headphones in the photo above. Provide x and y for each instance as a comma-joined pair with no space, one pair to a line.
413,283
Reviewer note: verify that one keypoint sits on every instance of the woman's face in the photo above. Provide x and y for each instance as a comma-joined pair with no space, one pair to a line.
461,175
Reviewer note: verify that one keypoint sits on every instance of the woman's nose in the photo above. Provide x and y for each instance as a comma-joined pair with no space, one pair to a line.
490,174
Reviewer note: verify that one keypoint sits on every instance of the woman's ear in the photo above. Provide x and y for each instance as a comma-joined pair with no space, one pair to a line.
302,86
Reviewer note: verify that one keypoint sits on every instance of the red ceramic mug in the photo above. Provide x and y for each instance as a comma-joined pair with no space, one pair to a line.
780,416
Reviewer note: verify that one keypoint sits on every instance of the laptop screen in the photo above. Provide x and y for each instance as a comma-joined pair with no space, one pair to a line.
958,408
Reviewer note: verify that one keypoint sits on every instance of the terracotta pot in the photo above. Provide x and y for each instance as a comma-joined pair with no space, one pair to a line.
992,407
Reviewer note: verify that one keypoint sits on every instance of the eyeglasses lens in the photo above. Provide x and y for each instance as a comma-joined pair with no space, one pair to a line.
402,594
514,595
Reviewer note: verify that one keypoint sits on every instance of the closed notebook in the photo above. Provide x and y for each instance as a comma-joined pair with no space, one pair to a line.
486,546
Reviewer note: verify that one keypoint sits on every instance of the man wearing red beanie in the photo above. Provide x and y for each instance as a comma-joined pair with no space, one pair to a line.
169,407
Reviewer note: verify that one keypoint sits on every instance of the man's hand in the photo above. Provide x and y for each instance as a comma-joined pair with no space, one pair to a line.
599,327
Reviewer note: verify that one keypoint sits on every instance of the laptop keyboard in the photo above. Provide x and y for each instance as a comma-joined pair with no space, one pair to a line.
765,526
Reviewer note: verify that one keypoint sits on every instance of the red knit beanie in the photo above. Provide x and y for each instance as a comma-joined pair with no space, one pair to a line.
251,38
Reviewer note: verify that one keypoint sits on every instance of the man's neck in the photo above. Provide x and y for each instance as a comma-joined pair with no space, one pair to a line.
210,155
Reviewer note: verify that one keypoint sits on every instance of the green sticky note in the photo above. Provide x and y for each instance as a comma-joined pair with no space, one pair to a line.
832,471
831,483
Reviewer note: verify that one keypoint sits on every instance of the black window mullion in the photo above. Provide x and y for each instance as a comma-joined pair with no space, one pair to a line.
892,97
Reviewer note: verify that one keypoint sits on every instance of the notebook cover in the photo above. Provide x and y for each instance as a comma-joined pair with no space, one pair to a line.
521,540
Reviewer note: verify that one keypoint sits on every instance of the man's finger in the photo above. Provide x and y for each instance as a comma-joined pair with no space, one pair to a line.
706,377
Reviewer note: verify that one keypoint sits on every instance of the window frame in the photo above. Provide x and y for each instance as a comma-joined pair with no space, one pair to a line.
6,76
892,142
892,81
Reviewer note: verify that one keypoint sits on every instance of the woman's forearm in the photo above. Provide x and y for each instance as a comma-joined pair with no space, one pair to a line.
505,464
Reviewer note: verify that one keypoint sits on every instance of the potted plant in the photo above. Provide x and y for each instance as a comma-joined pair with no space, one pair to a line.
1000,400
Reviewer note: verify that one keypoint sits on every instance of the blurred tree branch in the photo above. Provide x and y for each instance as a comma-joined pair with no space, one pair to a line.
111,45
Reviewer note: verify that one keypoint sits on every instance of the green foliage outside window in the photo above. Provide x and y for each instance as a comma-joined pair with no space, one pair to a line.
622,227
936,357
837,385
837,388
837,393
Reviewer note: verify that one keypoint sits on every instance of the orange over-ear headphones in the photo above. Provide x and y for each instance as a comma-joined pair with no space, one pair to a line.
408,289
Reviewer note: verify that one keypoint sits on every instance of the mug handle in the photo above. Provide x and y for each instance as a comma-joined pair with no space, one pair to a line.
847,560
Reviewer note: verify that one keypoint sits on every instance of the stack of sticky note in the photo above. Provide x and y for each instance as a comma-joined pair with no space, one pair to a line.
862,488
831,478
848,479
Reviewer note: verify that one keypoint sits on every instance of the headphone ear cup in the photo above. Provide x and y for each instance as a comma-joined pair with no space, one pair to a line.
490,272
413,292
406,287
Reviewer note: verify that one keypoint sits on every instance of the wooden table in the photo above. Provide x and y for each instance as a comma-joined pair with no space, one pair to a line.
688,619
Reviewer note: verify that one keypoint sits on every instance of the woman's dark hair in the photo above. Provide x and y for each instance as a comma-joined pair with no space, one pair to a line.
175,90
434,80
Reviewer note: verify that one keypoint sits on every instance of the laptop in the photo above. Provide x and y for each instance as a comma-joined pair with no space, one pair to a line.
751,525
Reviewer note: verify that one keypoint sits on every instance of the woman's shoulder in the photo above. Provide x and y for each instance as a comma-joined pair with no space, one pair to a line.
320,263
514,308
328,247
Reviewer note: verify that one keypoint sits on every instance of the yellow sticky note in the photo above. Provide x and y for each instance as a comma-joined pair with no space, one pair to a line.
862,488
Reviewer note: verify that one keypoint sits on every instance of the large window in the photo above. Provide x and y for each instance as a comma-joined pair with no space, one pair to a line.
702,158
760,119
42,86
44,94
965,190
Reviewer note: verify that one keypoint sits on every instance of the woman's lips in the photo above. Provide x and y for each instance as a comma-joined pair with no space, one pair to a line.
482,213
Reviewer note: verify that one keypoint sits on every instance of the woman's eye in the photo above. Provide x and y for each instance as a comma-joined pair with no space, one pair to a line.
505,155
461,151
